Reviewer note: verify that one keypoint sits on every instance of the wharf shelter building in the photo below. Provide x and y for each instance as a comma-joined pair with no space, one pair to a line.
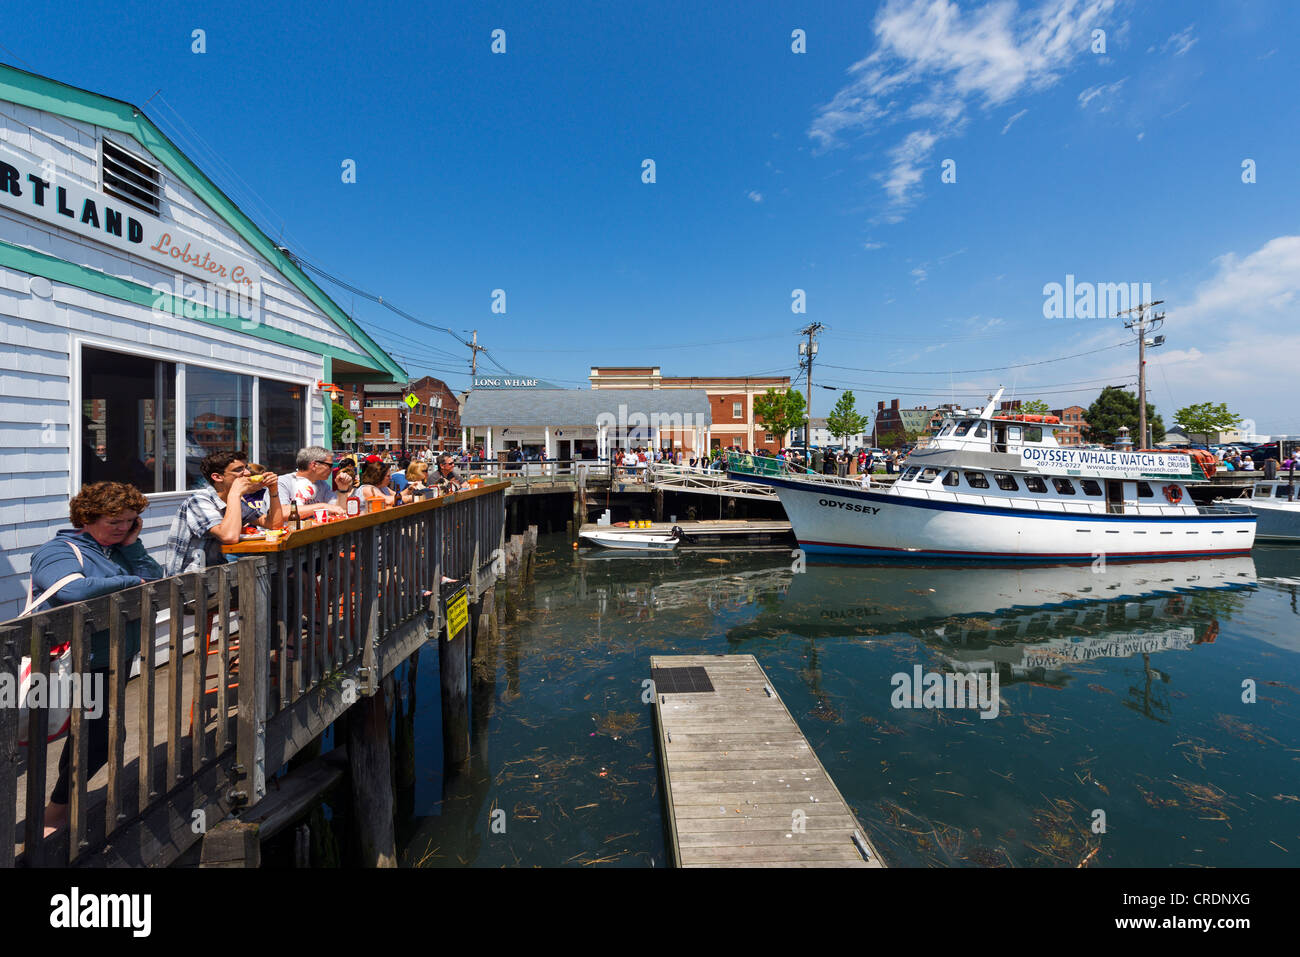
146,322
586,424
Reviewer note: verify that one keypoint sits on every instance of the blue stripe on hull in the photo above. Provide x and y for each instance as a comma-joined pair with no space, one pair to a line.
906,501
902,554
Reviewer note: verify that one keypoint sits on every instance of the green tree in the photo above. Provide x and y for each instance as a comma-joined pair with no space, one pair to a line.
844,419
1034,407
345,426
1205,418
1117,407
779,412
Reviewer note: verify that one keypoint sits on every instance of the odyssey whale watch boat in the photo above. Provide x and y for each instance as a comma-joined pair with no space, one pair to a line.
999,487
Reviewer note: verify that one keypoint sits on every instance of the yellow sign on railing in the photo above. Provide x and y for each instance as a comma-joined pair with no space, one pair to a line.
457,613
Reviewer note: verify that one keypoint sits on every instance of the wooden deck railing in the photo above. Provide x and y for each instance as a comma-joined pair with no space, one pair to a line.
283,643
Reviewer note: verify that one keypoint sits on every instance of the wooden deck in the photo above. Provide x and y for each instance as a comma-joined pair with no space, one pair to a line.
742,786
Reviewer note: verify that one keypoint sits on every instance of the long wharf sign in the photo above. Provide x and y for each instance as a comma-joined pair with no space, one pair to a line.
1106,464
30,190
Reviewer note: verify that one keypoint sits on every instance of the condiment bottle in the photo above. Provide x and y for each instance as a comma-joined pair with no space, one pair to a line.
353,506
294,517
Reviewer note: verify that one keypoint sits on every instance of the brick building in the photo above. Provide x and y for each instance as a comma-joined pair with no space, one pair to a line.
731,401
381,413
896,422
1073,417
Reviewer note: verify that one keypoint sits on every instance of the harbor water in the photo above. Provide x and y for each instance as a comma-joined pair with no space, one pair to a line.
1144,715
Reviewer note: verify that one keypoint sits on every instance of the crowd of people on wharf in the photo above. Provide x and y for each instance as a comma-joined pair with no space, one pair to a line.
101,552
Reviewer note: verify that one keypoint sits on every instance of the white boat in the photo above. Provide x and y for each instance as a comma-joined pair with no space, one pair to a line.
610,537
999,487
1277,504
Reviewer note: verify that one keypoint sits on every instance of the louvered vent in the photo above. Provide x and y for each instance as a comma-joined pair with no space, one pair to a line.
130,179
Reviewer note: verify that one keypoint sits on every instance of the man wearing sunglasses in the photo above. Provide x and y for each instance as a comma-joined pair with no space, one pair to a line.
310,486
214,515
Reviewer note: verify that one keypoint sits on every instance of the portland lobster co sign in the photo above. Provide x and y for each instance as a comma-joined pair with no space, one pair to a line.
30,190
1106,464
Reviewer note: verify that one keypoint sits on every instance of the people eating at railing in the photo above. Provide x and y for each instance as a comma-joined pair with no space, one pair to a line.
376,484
447,479
99,555
214,515
310,485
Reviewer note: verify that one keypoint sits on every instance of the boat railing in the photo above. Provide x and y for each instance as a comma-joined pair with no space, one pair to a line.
777,467
1224,510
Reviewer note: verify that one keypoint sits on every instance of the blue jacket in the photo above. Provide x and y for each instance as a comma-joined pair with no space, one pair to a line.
106,570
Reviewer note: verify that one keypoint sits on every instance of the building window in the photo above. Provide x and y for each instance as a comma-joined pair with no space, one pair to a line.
366,427
769,437
128,420
737,410
386,428
281,420
218,417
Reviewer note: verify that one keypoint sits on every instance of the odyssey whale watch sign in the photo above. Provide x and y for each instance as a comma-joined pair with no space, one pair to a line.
1107,464
51,197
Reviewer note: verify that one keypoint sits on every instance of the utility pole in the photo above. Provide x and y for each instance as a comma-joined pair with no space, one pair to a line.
1142,324
807,351
473,362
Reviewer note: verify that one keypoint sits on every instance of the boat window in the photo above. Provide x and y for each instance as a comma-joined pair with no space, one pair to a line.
1063,486
1263,491
1035,484
928,475
911,473
1014,433
947,427
964,427
1090,487
1006,482
1286,491
1144,490
977,480
982,432
1033,434
951,478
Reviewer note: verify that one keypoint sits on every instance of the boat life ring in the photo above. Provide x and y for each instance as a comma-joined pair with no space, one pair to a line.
1174,493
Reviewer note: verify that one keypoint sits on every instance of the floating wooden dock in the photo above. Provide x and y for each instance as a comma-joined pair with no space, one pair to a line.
742,786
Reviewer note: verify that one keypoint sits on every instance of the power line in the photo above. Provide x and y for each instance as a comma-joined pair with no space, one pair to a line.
1021,365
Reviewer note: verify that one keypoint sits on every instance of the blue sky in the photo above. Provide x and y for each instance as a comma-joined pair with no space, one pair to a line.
774,171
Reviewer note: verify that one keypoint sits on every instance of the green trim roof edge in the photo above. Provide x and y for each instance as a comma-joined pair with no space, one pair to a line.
52,96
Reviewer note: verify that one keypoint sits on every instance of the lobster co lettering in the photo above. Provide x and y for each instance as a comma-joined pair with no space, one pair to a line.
848,506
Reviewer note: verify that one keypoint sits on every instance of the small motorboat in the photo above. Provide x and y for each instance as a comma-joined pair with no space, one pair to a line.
610,537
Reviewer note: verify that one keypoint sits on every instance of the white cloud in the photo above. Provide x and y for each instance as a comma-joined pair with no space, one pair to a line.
755,195
933,61
870,244
1014,117
920,274
1180,42
1103,93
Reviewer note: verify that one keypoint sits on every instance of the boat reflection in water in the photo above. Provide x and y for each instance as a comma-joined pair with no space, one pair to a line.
1027,623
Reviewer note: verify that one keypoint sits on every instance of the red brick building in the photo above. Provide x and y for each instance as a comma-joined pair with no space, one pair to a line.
381,414
1073,417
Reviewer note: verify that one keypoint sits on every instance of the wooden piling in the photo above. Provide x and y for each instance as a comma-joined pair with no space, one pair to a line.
659,504
453,676
231,844
372,781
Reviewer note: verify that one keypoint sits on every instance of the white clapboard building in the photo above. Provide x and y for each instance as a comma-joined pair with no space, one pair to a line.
145,321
